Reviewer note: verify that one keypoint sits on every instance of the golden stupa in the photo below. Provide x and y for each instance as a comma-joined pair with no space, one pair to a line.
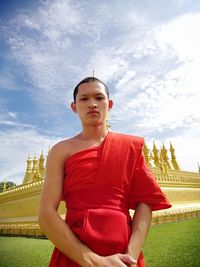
19,205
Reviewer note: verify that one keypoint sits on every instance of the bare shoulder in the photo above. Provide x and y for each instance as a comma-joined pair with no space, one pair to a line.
62,149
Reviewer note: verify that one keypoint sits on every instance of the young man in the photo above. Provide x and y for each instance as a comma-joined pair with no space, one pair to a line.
100,175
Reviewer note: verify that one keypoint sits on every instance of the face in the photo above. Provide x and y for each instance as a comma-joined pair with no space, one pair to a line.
92,103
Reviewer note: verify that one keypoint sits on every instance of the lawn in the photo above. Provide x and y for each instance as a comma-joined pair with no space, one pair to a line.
168,245
24,252
174,245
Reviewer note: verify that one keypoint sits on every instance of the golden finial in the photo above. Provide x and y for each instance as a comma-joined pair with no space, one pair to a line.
42,155
35,165
4,185
41,165
28,175
108,126
155,155
173,158
171,147
155,149
146,154
165,157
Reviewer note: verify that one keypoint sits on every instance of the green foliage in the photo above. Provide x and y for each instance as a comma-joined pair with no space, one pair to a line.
8,185
173,244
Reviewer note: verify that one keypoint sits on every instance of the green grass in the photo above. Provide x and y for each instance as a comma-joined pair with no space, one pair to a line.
168,245
24,252
174,244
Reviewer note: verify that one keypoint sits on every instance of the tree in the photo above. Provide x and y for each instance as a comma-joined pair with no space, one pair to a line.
8,185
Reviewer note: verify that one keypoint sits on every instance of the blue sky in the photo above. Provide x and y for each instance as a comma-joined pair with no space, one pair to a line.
146,51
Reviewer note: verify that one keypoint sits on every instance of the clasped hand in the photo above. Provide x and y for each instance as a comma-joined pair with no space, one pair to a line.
116,260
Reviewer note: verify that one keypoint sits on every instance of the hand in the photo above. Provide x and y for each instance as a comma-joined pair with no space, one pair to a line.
116,260
127,259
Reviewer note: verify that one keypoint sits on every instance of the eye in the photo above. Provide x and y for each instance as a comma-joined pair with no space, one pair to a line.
100,97
83,99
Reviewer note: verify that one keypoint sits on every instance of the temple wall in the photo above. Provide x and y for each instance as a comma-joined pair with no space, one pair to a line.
182,195
19,205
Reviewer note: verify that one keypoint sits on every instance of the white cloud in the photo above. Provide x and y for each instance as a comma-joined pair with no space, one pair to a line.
61,41
9,118
42,42
12,114
181,34
162,98
166,97
16,145
149,58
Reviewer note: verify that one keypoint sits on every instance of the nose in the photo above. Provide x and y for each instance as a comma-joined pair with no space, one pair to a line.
92,105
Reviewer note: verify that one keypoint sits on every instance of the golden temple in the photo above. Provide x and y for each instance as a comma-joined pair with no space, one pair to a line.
19,205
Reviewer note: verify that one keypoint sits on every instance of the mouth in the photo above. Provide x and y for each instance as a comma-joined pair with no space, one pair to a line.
93,112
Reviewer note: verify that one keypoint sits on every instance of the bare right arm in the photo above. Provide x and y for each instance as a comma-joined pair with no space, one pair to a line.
56,229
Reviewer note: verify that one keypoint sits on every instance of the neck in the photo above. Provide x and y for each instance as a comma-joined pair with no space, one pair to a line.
94,133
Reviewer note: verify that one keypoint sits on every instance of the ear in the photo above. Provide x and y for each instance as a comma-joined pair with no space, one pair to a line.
73,107
110,104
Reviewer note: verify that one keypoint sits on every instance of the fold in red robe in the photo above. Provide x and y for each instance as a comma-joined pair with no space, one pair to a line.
101,184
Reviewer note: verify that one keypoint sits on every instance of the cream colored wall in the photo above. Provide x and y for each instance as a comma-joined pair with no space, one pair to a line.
19,206
182,195
22,203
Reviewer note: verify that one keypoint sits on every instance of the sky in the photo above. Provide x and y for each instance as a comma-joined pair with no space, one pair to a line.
147,52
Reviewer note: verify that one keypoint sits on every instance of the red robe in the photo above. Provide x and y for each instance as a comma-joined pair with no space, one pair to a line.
101,184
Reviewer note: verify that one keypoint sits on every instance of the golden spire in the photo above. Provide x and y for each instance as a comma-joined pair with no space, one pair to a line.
41,165
147,155
165,157
108,126
161,153
4,185
35,166
199,167
28,174
37,176
35,171
173,158
155,156
163,165
151,155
